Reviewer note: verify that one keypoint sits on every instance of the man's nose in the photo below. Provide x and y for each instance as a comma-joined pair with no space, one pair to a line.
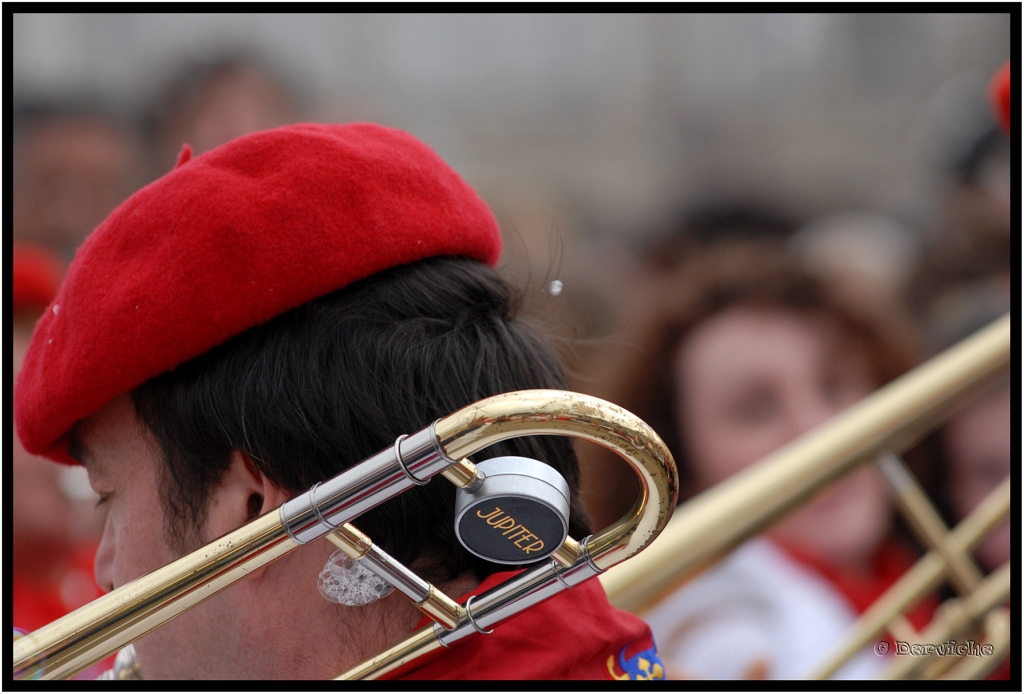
103,565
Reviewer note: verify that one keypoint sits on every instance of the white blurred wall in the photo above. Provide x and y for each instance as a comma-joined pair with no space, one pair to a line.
613,120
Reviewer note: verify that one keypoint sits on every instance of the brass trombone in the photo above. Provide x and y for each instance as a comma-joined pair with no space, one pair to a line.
114,621
701,531
878,427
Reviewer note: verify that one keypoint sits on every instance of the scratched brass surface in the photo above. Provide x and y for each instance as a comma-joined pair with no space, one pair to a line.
562,413
706,527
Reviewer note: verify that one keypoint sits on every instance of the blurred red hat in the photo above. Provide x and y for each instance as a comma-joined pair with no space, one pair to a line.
999,93
229,240
35,277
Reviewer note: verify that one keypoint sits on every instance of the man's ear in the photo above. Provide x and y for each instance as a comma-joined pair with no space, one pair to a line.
243,494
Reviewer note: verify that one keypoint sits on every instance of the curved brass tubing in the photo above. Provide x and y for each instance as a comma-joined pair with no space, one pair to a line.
90,633
563,413
113,621
528,412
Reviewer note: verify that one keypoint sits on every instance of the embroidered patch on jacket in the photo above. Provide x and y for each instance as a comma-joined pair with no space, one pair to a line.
645,665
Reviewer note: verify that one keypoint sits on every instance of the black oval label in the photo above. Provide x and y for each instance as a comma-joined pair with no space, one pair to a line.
511,529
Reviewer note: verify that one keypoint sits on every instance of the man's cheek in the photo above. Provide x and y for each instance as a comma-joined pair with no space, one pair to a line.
133,558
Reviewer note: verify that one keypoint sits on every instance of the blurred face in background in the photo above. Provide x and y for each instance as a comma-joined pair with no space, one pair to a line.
70,172
234,105
52,508
40,512
978,445
235,101
749,380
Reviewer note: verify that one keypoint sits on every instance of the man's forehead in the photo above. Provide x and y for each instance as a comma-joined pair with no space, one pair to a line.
92,437
81,453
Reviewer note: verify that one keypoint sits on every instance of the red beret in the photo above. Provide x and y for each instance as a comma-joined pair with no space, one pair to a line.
36,273
999,92
227,241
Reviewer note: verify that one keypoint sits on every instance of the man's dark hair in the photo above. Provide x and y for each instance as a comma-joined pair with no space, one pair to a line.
320,388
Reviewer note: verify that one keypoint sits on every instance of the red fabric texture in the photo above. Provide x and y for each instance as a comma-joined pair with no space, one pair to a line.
1002,671
999,92
36,272
229,240
888,564
35,604
576,635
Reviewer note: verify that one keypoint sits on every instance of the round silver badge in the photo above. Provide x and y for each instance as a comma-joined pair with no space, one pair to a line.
518,515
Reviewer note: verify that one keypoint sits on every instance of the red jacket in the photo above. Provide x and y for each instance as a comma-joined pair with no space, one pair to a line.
576,635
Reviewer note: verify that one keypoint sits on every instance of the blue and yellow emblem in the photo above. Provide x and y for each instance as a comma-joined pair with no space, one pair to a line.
645,665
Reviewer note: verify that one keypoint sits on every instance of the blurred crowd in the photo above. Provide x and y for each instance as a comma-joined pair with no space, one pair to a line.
731,334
